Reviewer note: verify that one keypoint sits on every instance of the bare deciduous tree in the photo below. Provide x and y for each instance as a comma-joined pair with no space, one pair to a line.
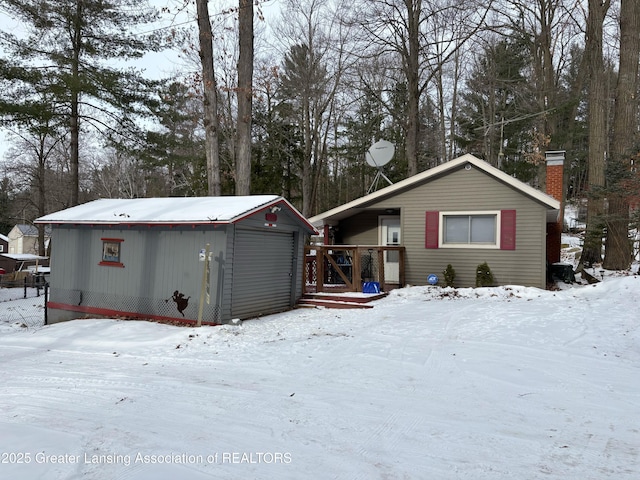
245,96
210,97
411,30
618,246
597,130
313,70
548,28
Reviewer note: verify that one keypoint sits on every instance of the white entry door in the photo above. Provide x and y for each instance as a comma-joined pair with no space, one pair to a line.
390,235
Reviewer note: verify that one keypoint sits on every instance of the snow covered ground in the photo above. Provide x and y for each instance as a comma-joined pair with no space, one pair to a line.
17,312
432,383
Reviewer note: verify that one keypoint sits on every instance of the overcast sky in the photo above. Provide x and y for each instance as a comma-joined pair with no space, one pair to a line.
154,65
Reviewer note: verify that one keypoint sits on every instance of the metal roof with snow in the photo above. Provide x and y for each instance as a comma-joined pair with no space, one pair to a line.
169,211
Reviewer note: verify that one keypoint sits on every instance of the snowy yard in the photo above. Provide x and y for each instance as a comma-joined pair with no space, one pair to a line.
432,383
17,312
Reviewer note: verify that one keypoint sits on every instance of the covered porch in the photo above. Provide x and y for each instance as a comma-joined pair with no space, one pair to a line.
349,268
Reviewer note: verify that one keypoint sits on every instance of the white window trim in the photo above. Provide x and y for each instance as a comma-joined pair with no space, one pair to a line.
441,243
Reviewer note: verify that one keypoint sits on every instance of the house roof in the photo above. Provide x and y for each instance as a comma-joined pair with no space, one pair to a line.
23,256
348,209
28,230
4,238
169,211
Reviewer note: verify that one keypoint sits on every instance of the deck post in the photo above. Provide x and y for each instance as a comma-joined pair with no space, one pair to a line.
325,233
381,278
357,278
320,269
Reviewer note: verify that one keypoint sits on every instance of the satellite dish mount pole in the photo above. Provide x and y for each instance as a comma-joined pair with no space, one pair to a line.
376,179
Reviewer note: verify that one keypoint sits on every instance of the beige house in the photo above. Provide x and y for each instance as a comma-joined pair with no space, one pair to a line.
464,213
23,238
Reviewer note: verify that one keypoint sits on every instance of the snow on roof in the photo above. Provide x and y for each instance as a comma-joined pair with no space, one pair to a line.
170,210
23,256
343,211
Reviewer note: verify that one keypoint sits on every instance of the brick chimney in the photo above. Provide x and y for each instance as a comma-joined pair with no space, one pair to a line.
555,188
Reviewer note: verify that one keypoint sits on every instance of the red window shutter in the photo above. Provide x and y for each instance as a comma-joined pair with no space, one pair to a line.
431,229
508,230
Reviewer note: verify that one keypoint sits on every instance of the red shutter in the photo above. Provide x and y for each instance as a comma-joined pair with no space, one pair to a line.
431,229
508,230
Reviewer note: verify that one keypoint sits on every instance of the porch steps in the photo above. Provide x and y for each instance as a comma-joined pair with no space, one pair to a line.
336,300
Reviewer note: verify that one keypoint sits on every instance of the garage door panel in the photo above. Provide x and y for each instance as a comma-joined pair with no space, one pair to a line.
262,272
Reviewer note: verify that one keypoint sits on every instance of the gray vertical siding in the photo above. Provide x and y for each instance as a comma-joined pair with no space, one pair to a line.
157,262
262,272
255,272
288,222
461,190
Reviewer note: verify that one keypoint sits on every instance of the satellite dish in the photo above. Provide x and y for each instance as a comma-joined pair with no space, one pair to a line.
380,153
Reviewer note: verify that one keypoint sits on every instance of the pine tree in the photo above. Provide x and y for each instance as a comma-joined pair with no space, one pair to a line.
77,43
495,107
177,150
304,88
277,153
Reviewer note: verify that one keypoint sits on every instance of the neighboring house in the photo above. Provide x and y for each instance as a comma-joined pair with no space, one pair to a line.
23,238
4,243
144,258
464,213
5,263
11,261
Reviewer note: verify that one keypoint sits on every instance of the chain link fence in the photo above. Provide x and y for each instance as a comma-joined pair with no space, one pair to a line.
23,303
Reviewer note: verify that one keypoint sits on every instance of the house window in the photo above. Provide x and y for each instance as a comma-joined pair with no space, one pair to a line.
111,252
483,229
473,229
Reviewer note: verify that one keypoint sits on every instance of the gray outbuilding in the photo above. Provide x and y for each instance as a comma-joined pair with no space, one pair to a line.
145,258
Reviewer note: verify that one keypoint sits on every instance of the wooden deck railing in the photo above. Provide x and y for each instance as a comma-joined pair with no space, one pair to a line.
344,268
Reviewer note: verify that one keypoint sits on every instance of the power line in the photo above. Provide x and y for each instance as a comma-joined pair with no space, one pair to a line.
195,19
518,119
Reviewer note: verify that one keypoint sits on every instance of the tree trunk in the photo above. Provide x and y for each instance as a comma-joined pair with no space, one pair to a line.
547,90
454,108
42,191
413,87
442,121
210,97
591,252
245,95
74,121
577,86
307,159
74,150
618,251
